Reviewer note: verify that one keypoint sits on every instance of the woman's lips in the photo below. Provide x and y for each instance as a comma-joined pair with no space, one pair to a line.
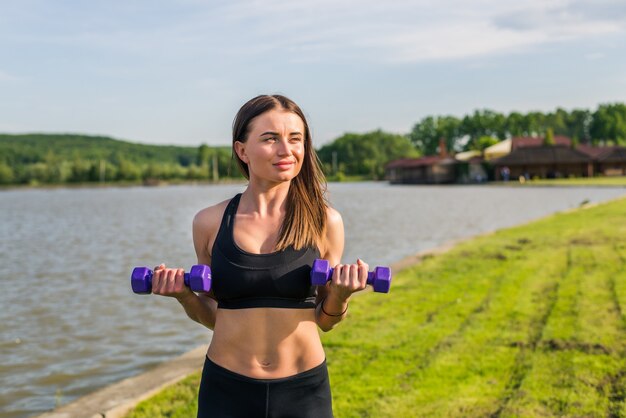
284,165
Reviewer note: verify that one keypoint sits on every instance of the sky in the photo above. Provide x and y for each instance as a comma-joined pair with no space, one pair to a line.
177,71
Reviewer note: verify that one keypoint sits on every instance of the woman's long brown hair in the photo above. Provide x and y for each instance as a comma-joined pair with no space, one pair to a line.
305,213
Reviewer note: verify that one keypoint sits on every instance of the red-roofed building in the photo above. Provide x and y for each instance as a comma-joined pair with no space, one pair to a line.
531,141
610,161
434,169
544,162
528,157
507,146
425,170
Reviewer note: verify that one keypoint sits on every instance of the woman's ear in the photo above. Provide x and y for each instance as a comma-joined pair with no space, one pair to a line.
240,149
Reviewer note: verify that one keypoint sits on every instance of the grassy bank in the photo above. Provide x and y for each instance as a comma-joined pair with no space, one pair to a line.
529,321
616,181
584,181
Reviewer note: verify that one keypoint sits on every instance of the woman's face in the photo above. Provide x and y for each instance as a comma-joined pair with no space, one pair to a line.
274,149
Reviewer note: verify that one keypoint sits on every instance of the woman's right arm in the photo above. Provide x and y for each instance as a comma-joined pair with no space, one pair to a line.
200,307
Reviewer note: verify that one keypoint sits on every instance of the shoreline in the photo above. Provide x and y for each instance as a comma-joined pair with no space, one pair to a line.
231,181
119,185
117,399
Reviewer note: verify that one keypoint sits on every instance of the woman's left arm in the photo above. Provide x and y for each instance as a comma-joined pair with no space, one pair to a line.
333,298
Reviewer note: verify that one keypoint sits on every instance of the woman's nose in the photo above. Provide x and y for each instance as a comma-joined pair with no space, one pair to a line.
283,147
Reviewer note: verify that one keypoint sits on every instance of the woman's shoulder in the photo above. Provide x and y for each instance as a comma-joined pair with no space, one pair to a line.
209,218
333,218
332,241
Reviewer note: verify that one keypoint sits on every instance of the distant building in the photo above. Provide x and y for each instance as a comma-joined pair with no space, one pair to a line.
544,162
537,141
608,161
436,169
505,147
425,170
471,167
513,158
467,155
498,150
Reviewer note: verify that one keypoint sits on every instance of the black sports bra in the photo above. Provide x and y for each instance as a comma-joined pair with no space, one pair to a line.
245,280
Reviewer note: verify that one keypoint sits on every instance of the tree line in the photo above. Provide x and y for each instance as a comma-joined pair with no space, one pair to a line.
367,154
68,158
364,155
476,131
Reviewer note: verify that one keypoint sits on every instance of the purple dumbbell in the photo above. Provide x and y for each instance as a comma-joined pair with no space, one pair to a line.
198,279
380,278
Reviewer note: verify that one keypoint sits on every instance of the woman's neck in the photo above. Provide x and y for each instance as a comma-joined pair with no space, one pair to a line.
264,199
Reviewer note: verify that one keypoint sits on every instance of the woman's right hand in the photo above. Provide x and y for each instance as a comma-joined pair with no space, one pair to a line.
170,282
348,279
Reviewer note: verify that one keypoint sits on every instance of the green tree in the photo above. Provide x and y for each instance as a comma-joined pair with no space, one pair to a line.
484,142
366,154
557,121
483,123
7,176
128,171
195,172
578,125
548,139
80,170
609,123
449,128
37,173
204,153
534,123
514,124
426,134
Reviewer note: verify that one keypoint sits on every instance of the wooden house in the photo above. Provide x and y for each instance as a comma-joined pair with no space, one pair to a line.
471,167
537,141
608,161
425,170
544,162
506,146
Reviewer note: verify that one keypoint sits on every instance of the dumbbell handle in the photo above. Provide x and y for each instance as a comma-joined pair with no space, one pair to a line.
380,278
371,275
198,279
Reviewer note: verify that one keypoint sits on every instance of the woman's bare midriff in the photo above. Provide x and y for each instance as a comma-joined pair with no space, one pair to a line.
266,343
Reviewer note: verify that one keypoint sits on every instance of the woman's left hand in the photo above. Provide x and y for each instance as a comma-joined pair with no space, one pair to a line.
347,279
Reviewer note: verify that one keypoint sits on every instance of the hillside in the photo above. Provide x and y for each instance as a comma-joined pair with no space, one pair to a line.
72,158
33,148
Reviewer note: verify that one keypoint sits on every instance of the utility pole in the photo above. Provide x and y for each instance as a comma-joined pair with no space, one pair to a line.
334,162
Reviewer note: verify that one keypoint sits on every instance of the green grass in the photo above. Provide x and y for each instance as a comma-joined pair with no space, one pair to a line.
345,178
528,321
580,181
177,401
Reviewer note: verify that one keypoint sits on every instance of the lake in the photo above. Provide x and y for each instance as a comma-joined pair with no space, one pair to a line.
70,324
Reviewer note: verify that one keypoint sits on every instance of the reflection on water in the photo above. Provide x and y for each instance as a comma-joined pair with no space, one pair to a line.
70,324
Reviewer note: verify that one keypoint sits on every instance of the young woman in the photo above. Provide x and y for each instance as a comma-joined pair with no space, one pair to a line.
265,358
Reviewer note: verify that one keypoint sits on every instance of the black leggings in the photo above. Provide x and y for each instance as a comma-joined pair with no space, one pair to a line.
226,394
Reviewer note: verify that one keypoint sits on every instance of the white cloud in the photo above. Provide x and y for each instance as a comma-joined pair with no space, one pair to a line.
323,30
412,31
